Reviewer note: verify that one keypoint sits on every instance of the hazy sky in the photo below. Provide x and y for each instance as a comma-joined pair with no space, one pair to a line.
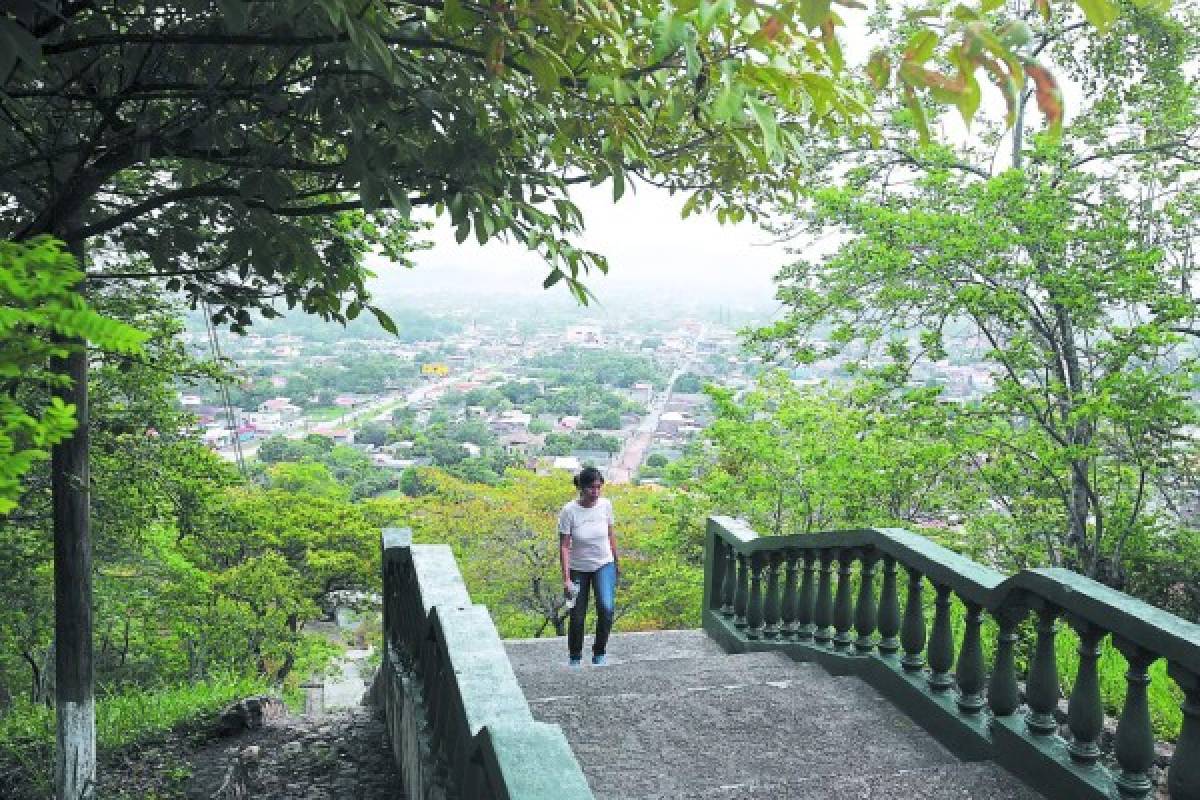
652,252
649,248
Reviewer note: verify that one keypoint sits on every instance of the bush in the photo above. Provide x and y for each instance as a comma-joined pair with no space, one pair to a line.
123,719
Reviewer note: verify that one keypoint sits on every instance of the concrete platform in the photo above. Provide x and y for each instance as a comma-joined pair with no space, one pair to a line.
673,716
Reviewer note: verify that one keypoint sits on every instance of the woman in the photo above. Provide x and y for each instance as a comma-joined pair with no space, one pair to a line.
588,552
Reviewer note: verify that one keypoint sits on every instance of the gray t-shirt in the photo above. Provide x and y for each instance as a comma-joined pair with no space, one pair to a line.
588,529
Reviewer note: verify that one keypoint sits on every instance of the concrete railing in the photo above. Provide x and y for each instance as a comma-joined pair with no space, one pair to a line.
781,593
457,719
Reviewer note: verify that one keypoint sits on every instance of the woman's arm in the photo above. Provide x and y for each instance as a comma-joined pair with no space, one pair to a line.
612,545
564,558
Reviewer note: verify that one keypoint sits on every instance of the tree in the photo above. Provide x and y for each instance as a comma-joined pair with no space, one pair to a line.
796,460
254,152
373,433
1069,271
40,312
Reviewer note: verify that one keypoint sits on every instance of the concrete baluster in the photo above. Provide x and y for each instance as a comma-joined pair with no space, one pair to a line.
823,615
1085,711
912,634
1042,689
843,608
865,611
941,642
771,612
1183,778
970,673
741,595
889,610
1003,694
808,598
788,612
754,613
728,579
1134,748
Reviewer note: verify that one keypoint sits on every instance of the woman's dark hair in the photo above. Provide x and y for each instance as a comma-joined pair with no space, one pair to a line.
587,476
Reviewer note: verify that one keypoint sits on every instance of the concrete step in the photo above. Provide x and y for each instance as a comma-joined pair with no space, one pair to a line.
942,782
677,744
622,647
672,717
670,675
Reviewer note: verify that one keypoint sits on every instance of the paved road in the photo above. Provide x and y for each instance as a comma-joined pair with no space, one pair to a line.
377,409
630,459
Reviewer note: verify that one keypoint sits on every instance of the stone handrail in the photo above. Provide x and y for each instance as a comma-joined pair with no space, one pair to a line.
457,720
846,625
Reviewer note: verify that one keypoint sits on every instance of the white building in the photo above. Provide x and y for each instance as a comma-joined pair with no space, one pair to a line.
585,334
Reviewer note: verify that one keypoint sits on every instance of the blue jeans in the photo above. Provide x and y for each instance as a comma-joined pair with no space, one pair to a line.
604,583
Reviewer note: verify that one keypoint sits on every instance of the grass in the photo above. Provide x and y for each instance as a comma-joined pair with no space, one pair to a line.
122,719
324,413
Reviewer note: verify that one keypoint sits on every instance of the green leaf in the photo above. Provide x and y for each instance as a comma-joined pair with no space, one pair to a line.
765,117
879,69
385,322
668,33
728,104
544,73
1101,13
553,278
481,234
457,14
398,197
814,12
918,114
920,46
832,46
21,45
708,13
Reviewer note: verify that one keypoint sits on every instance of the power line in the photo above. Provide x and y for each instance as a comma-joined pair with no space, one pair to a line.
230,420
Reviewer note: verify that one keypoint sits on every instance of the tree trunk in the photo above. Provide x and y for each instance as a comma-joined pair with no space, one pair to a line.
1077,517
75,762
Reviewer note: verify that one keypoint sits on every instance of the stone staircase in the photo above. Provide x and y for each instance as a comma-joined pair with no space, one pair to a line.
673,716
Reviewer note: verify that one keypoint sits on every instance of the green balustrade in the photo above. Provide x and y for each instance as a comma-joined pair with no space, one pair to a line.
1003,692
912,635
1183,779
801,614
805,605
970,674
1085,710
771,606
865,614
1134,748
728,579
1041,687
889,610
941,641
789,611
457,721
843,609
741,595
754,611
823,614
